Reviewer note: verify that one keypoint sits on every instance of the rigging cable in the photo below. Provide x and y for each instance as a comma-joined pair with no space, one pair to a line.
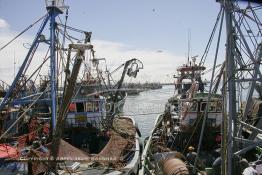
71,28
66,35
66,17
26,29
209,94
40,66
63,44
241,11
257,21
203,58
247,27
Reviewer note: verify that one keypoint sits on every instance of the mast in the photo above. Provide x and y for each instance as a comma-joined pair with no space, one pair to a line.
224,127
230,67
53,11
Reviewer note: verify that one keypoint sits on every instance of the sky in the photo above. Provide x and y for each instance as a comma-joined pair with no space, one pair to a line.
154,31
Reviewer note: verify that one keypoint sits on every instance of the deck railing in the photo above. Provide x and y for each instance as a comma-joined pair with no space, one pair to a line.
84,121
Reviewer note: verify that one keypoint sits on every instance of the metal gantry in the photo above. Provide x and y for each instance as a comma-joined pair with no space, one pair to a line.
53,11
243,58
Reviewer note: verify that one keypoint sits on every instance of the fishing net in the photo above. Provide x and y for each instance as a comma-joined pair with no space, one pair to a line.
120,143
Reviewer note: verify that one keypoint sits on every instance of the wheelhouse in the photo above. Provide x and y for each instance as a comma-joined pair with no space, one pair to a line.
88,111
192,110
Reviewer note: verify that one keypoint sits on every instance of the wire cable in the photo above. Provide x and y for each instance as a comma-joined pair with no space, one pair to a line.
26,29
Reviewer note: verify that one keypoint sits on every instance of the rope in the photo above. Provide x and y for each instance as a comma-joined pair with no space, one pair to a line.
30,26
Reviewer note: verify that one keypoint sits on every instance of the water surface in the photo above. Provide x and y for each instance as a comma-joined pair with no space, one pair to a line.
146,106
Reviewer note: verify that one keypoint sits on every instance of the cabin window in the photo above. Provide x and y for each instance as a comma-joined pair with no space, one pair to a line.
194,106
219,106
203,106
211,122
176,107
89,107
80,107
212,107
186,87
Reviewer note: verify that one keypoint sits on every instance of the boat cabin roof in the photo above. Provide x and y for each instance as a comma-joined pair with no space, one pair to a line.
187,68
205,95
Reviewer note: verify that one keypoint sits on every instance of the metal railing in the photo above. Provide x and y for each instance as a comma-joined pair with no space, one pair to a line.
84,121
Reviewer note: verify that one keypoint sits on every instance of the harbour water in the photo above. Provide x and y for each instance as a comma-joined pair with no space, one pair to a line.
146,106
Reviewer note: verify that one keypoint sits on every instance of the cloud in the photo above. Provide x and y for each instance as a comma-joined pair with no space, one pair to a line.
3,24
158,66
12,56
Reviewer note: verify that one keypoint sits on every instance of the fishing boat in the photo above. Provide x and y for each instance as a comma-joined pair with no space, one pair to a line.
178,129
210,132
64,128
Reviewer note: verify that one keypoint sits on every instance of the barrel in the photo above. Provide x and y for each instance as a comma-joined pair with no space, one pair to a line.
174,166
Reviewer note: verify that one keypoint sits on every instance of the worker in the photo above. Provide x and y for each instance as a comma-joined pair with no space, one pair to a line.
191,155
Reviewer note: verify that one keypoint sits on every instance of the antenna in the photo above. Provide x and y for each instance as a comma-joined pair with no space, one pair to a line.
188,45
14,64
